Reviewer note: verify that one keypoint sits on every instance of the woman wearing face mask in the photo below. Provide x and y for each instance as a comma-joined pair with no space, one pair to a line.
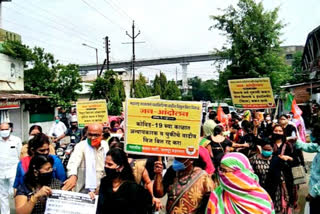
186,185
261,163
279,182
239,190
39,145
35,129
119,193
37,186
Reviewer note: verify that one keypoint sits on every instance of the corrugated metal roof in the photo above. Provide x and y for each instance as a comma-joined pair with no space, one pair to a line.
19,95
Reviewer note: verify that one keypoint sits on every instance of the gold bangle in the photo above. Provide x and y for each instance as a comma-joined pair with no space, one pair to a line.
33,199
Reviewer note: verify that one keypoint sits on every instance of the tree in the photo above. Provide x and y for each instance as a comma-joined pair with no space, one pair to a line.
141,88
16,50
171,92
111,88
49,78
253,48
159,84
298,75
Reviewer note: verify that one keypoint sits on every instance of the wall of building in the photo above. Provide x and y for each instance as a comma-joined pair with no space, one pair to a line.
302,93
11,74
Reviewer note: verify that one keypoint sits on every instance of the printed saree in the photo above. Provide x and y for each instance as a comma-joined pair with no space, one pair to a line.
239,191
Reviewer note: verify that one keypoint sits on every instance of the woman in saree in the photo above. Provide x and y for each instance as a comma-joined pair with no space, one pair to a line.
185,183
238,190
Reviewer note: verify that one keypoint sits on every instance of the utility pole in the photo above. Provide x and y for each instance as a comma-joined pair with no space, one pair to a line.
107,43
133,37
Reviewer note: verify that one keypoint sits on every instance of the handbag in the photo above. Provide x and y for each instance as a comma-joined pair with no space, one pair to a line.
298,172
299,175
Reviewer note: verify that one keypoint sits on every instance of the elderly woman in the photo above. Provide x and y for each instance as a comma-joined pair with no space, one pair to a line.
239,190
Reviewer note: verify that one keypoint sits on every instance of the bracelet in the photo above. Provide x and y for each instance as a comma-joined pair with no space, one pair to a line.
33,199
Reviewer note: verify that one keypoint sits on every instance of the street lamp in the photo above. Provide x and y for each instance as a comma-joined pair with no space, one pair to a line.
84,44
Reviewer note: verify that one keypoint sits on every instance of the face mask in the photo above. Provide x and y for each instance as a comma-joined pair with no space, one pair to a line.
277,136
178,166
57,121
266,153
30,137
74,126
95,142
111,173
268,118
45,178
5,133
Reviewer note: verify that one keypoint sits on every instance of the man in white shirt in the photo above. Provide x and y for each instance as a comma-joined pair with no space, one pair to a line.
58,131
10,148
86,165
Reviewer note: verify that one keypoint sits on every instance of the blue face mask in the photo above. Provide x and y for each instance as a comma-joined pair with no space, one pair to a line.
313,139
178,166
57,121
266,153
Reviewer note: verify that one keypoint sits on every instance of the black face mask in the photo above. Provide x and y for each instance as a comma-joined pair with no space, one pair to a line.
111,173
46,155
74,126
45,178
277,136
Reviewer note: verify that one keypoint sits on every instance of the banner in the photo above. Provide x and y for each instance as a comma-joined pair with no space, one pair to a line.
255,93
163,128
66,202
93,111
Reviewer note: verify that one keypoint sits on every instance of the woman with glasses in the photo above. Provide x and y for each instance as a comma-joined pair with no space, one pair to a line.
239,190
38,183
39,145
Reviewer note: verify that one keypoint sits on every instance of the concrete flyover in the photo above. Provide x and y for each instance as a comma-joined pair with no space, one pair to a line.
155,61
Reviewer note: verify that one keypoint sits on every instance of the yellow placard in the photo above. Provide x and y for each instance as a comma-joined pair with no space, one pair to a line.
157,97
93,111
254,93
163,128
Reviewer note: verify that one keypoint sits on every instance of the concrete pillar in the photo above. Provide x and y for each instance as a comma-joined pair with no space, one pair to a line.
184,66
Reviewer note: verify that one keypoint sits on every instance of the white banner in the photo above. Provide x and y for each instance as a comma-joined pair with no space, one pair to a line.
70,203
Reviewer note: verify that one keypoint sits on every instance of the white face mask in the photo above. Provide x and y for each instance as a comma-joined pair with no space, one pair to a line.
268,118
5,133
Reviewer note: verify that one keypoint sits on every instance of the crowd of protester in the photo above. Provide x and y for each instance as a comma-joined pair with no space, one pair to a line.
246,165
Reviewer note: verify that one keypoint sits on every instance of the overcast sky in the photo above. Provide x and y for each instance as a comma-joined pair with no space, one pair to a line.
168,28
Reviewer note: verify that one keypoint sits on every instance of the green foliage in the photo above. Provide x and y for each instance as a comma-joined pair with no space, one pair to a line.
159,84
111,88
298,75
16,50
171,92
204,90
253,44
141,88
49,78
